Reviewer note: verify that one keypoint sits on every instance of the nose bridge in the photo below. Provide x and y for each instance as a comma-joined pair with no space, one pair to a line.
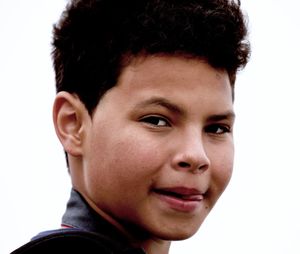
191,153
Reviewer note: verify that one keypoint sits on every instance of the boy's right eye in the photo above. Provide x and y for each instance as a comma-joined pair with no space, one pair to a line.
156,121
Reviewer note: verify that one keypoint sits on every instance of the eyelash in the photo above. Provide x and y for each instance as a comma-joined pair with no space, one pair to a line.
215,129
155,121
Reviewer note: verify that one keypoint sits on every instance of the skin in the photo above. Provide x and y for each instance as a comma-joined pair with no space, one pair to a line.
157,152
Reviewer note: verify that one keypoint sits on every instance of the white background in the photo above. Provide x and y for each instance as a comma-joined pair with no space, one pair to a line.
258,213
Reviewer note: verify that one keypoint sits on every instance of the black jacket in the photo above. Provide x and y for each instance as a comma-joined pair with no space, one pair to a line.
88,233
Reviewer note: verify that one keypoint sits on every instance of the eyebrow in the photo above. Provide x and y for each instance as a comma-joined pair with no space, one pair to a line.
229,115
159,101
163,102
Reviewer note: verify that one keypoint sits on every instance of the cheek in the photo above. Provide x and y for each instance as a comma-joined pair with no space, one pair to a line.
123,162
138,155
125,156
222,166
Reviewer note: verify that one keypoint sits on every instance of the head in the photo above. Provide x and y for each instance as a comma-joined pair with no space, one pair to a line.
144,107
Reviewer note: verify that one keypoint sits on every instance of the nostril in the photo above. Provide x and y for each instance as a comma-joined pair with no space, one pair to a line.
184,165
202,168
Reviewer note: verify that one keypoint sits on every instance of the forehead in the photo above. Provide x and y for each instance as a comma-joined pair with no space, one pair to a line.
173,71
179,80
168,66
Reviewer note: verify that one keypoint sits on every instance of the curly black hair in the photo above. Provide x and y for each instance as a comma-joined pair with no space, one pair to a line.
94,38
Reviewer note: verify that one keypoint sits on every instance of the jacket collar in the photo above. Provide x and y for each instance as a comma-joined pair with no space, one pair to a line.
80,215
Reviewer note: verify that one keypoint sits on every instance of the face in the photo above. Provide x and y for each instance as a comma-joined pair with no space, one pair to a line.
158,151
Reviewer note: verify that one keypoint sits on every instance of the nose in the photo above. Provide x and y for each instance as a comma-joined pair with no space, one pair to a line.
191,155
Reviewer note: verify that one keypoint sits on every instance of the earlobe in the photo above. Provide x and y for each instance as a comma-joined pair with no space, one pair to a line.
68,117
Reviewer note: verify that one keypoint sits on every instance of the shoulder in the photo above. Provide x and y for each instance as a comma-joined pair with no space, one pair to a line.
68,241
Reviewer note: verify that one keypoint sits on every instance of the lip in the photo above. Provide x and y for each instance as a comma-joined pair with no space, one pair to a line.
181,199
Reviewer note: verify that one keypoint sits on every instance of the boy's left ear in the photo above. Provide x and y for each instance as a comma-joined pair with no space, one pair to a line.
70,118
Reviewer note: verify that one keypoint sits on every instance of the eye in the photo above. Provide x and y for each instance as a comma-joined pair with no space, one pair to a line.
218,129
155,121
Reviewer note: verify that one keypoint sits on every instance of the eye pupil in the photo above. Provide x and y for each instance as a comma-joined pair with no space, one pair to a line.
155,120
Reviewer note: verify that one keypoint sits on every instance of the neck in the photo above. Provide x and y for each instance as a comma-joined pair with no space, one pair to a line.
135,236
156,246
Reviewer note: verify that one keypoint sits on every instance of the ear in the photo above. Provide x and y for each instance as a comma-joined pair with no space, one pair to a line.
69,115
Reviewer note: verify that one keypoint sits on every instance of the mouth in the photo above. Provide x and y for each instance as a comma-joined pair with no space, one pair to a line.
181,193
180,198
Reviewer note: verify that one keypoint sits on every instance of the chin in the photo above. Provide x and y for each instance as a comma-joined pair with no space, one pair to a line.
167,231
177,234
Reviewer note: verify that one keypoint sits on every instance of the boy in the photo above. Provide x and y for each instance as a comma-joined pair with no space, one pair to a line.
144,111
